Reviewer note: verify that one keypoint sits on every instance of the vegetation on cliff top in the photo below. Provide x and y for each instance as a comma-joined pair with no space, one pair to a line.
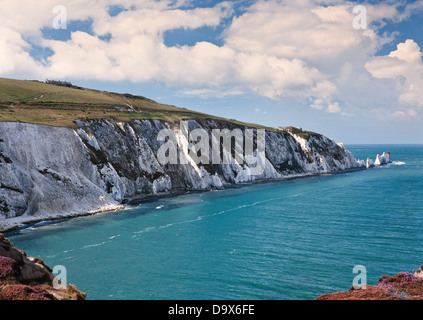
59,105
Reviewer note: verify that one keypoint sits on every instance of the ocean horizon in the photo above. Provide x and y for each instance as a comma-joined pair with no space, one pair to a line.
278,240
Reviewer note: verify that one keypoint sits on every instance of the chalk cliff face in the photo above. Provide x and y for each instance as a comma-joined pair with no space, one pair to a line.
53,172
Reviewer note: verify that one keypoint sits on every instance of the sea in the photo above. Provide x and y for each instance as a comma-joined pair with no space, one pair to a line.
284,240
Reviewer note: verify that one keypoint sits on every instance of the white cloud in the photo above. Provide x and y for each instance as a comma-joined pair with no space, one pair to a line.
14,58
156,20
322,38
304,30
318,104
302,50
334,108
406,67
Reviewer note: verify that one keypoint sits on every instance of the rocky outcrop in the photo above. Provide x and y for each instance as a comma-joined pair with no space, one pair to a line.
56,172
402,286
28,278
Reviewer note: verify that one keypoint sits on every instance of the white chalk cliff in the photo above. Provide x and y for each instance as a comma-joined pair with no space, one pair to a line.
383,159
54,172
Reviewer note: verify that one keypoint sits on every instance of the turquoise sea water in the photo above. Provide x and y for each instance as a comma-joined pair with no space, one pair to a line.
294,239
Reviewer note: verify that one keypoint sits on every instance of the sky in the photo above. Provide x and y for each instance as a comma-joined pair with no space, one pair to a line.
351,70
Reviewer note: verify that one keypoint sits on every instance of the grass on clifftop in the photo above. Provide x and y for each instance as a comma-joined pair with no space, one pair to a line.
57,105
300,132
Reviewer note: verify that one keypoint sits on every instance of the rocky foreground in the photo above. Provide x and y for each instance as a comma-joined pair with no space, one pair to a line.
402,286
28,278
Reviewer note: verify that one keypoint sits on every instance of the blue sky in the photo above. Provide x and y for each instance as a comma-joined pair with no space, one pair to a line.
273,62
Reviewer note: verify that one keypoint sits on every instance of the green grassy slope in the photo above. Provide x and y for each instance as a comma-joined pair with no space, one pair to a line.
55,105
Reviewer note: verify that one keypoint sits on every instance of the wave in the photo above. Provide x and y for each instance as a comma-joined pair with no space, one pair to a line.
199,218
46,223
94,245
398,163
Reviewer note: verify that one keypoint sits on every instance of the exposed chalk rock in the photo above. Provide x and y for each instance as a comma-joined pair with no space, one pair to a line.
55,172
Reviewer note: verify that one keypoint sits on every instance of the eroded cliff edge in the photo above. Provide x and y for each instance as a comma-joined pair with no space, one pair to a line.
55,172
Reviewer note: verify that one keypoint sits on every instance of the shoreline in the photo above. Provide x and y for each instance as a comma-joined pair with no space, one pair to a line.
23,222
20,223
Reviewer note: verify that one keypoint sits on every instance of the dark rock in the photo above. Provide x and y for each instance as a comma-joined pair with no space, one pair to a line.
23,278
